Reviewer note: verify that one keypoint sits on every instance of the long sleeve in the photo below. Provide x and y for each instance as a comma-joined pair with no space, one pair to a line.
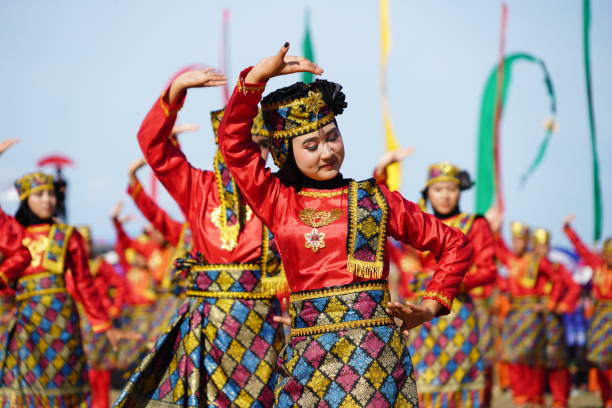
570,296
16,256
182,181
122,243
161,221
258,185
589,257
422,231
484,269
80,284
501,251
114,280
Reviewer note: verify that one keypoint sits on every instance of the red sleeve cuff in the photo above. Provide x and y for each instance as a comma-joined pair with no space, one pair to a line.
245,88
168,108
134,188
102,327
446,303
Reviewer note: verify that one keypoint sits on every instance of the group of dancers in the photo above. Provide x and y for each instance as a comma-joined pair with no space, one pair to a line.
275,289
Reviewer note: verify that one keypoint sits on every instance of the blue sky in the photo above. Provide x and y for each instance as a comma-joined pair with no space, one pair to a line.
78,78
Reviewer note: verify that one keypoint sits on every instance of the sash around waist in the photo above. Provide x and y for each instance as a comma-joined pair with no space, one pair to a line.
39,284
356,305
233,281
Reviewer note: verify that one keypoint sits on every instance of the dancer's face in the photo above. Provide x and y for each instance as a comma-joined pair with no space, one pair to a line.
264,145
319,154
42,203
519,245
443,196
541,249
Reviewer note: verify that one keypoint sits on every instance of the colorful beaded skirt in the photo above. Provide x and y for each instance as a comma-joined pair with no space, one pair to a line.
599,336
44,365
523,335
345,351
486,342
556,351
447,358
7,320
219,350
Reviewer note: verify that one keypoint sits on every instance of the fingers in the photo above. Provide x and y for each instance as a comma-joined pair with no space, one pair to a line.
283,320
188,127
283,50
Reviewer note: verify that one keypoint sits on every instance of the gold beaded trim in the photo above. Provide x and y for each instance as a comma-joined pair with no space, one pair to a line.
308,331
327,194
439,298
43,292
302,130
226,267
228,295
296,297
244,88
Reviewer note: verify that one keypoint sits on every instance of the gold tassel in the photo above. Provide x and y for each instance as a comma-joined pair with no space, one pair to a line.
271,285
364,269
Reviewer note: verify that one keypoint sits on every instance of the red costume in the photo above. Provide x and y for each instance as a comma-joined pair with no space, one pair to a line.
599,337
529,278
279,207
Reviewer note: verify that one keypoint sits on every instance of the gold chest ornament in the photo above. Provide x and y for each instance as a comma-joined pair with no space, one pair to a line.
37,248
315,239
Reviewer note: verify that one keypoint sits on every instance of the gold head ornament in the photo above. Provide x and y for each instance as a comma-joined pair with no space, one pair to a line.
442,172
33,182
519,230
541,236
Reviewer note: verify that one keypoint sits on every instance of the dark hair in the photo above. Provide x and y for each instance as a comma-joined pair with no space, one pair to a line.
26,217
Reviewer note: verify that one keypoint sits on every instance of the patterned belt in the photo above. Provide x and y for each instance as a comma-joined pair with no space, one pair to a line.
525,301
31,288
604,303
227,295
337,292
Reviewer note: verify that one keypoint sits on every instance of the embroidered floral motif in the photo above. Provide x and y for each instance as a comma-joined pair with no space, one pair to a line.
315,240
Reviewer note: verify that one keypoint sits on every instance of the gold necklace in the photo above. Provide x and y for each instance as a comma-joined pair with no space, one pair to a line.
315,239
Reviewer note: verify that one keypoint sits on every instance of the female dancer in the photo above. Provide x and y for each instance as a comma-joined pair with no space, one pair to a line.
599,336
345,348
101,359
524,330
176,233
221,347
557,374
45,365
14,258
457,377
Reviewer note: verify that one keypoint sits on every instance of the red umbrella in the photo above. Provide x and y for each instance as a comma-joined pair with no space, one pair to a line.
56,160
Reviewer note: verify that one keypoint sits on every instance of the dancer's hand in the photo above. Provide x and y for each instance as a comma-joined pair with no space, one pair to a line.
283,319
198,78
413,315
391,157
281,64
135,166
495,218
117,210
187,127
5,144
115,336
569,219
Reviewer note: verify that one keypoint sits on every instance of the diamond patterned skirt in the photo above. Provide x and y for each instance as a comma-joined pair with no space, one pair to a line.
599,336
557,353
486,341
137,319
219,350
345,351
523,334
44,364
447,358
